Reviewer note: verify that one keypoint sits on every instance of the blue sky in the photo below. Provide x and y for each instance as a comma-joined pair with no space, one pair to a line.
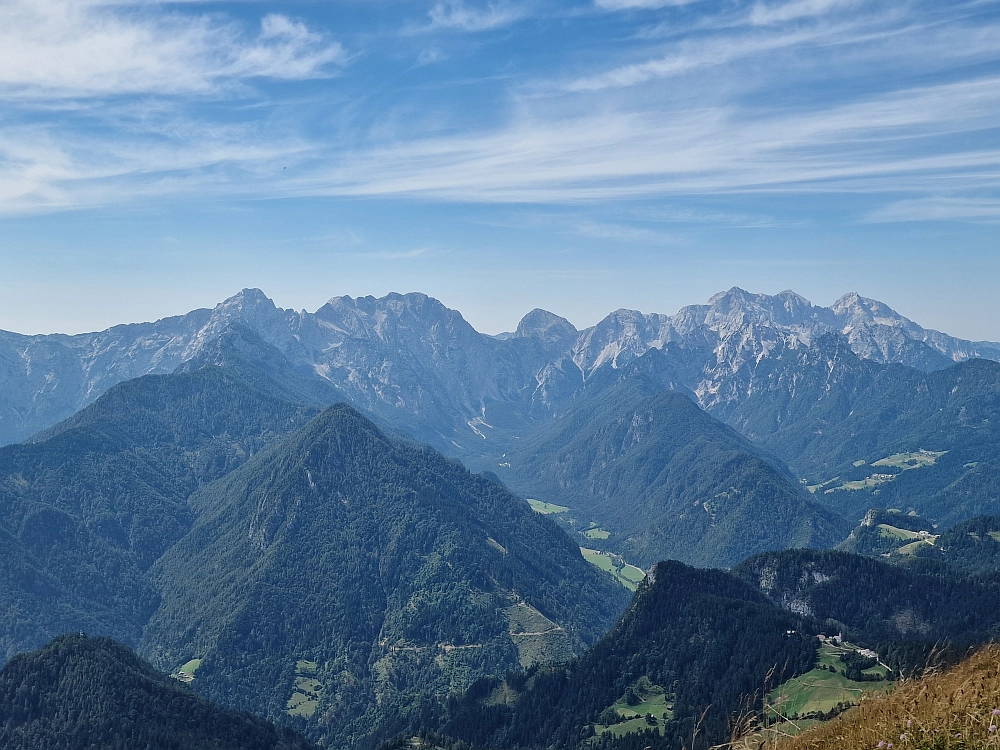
577,156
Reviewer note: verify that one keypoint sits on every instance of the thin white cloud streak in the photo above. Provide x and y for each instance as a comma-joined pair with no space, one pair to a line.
628,147
692,57
938,209
74,48
457,15
845,41
43,170
641,4
767,14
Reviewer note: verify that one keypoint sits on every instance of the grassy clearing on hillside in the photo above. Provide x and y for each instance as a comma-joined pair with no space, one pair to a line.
956,710
596,533
912,547
911,540
903,461
546,508
907,461
307,690
186,672
537,638
627,575
653,701
819,691
814,488
627,727
894,532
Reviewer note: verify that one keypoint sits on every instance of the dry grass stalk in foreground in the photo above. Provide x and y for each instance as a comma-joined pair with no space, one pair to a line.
956,710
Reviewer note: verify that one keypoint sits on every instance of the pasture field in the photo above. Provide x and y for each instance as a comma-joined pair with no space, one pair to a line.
654,700
546,509
596,533
821,690
907,461
912,547
307,691
894,532
628,575
626,727
903,461
185,673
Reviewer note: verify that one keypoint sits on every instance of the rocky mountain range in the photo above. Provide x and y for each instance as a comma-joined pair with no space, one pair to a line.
412,362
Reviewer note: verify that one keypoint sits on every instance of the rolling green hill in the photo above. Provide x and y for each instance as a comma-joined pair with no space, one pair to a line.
79,692
349,581
889,534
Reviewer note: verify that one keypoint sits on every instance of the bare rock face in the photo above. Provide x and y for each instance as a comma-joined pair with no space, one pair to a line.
415,363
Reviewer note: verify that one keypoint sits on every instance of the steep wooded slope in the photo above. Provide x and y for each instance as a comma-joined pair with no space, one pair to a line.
664,478
392,572
708,641
87,507
79,693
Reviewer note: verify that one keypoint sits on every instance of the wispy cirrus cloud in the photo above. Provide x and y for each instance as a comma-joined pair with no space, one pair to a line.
694,56
774,13
600,136
938,208
46,168
460,16
71,48
878,144
640,4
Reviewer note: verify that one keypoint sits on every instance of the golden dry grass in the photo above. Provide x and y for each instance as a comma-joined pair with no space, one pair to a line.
958,709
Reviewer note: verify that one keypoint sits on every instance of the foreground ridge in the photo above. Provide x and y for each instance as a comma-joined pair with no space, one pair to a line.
958,708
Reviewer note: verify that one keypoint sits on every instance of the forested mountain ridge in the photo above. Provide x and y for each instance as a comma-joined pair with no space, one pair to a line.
695,646
392,573
79,692
971,547
868,435
662,479
876,601
88,506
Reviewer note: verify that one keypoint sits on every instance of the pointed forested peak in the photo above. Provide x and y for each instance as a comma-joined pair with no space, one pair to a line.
548,327
95,692
394,573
